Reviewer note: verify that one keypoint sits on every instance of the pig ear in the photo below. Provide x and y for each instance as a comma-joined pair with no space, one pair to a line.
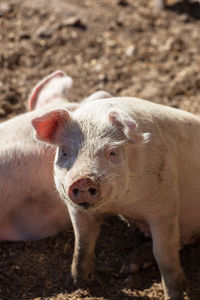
35,101
125,123
98,95
49,126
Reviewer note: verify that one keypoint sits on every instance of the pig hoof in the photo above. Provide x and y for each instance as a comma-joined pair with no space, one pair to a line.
82,281
141,258
79,281
70,281
81,284
175,292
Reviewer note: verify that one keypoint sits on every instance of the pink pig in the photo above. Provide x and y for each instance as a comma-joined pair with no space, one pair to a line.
131,157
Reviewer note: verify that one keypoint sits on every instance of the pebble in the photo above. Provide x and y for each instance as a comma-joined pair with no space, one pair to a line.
130,50
5,8
45,31
75,22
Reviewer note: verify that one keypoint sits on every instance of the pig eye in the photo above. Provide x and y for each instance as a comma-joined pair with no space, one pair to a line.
113,154
64,153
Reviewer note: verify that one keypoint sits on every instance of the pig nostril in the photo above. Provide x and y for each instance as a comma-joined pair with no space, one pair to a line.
75,192
92,191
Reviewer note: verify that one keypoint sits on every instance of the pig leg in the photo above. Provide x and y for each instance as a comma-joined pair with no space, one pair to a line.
165,236
86,229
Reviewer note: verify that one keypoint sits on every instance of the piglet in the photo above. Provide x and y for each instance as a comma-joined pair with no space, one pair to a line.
131,157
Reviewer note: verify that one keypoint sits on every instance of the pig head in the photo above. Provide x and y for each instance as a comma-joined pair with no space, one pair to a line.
88,156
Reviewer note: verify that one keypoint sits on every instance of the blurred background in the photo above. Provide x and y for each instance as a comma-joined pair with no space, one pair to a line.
123,46
129,49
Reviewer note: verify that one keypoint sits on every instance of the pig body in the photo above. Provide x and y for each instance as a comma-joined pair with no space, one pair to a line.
131,157
30,206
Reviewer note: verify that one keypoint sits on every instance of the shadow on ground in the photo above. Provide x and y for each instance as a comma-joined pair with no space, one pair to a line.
191,9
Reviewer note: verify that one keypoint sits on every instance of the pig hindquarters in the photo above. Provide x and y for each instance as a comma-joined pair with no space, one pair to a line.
30,206
131,157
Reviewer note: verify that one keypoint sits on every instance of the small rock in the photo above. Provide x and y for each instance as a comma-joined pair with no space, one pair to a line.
185,18
112,44
98,67
25,36
103,78
168,44
2,112
130,50
11,36
5,8
75,22
46,31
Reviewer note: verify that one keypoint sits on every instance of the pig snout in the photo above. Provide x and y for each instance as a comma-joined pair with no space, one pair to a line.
84,192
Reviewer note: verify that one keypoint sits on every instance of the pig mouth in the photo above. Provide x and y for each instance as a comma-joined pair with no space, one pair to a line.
84,205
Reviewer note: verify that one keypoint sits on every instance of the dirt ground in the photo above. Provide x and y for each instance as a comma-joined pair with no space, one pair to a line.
126,48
